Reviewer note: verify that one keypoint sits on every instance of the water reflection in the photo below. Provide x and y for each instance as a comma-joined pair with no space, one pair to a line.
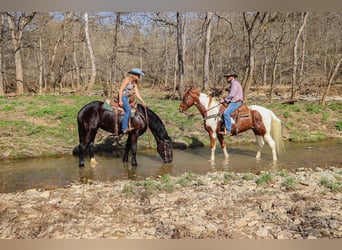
52,172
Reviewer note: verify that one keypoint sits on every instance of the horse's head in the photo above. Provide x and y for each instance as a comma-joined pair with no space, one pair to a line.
189,99
164,149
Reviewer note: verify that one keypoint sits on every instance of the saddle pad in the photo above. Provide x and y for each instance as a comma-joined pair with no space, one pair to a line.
107,106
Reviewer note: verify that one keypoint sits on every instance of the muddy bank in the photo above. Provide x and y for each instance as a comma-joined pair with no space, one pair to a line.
305,203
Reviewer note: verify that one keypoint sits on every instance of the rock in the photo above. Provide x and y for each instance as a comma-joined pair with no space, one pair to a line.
206,208
262,233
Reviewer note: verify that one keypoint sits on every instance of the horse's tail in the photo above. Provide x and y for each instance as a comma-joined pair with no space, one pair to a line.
277,135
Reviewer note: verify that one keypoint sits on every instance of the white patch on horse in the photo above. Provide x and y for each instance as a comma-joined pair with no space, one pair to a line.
212,111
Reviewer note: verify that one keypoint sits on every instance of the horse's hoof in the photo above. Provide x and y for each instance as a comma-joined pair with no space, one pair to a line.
81,164
93,162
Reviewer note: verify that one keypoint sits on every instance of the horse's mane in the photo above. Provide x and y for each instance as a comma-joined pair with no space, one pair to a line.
155,123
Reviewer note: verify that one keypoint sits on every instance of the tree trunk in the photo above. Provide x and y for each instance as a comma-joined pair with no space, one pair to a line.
16,40
327,89
250,70
207,26
91,82
180,48
302,63
17,28
115,52
251,66
2,22
51,76
175,73
295,55
77,69
41,65
166,64
264,66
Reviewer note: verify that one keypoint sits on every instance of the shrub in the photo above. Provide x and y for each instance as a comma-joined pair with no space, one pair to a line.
333,186
264,178
289,183
339,126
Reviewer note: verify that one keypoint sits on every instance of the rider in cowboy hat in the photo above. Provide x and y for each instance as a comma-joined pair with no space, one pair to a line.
234,100
129,86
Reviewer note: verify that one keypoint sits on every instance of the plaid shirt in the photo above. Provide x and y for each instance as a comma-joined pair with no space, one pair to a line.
235,93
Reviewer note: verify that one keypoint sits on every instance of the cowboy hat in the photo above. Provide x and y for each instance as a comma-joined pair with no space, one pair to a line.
231,74
136,71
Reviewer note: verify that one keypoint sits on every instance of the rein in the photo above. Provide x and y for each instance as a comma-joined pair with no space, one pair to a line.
148,134
148,127
206,117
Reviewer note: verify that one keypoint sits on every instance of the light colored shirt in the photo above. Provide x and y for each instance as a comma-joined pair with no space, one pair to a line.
235,93
128,91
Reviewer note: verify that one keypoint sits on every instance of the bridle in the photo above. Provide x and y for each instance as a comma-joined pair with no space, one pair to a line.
165,147
205,117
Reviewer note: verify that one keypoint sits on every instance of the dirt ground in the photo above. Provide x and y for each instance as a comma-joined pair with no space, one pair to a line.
217,205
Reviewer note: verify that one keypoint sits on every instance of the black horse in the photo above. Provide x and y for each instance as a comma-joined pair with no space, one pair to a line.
94,116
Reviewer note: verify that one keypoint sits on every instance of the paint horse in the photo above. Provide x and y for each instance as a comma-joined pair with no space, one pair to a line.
264,123
94,115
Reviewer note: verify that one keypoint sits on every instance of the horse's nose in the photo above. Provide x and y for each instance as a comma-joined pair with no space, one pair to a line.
168,160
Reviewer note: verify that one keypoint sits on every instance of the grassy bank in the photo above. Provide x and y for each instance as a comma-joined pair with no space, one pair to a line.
34,126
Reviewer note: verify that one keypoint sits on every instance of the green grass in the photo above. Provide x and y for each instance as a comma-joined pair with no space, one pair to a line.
289,183
264,179
248,177
313,108
49,122
339,126
287,114
166,183
333,186
128,190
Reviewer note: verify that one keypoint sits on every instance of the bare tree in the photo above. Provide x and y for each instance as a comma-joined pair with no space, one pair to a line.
91,82
255,24
180,47
330,79
295,54
207,29
2,22
17,23
115,51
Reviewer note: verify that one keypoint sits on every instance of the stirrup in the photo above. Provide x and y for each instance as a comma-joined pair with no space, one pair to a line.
224,132
127,130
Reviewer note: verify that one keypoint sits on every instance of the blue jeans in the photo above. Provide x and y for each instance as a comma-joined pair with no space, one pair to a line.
127,114
232,106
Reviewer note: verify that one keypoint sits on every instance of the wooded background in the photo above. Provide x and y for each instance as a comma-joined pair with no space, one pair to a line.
51,52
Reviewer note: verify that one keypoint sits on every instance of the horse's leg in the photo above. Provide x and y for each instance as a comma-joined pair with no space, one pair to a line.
212,145
81,149
127,148
272,145
223,146
134,140
87,142
91,154
261,143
